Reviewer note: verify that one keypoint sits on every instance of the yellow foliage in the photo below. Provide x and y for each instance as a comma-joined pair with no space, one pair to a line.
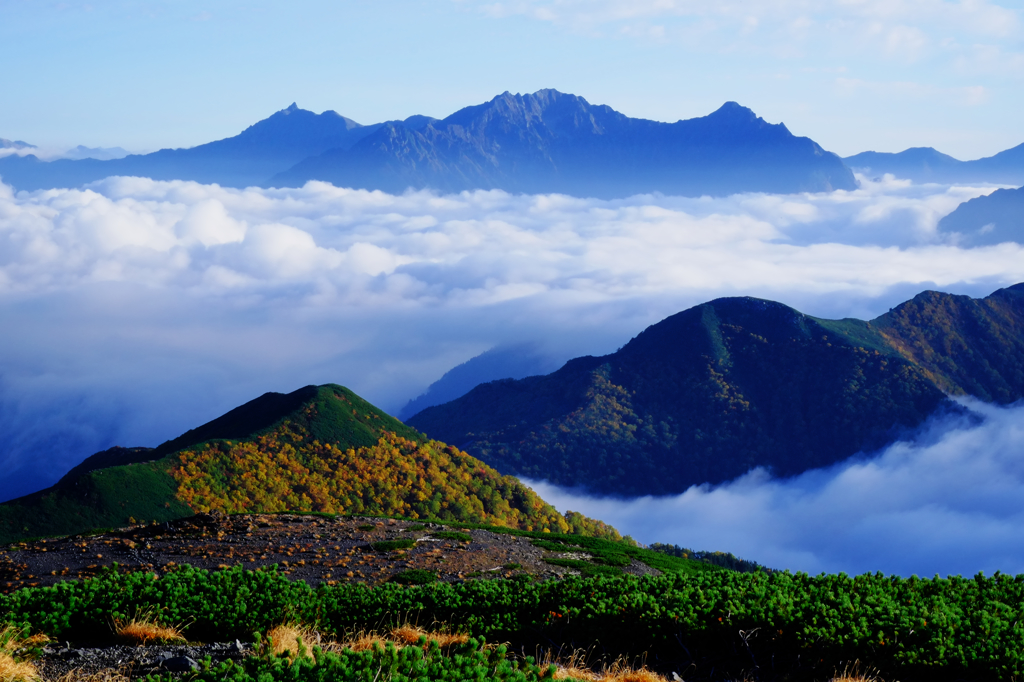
286,470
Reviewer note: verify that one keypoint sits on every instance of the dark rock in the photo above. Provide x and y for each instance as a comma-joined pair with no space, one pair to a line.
180,664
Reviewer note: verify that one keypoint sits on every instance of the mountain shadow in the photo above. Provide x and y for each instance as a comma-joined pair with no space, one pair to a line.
714,391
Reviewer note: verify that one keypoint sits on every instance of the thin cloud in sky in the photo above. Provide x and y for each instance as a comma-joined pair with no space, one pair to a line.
946,502
892,20
904,32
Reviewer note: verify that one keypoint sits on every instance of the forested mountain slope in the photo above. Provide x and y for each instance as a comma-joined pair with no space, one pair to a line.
321,448
714,391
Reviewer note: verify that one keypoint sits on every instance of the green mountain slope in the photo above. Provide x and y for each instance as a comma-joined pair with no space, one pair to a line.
965,346
321,448
711,392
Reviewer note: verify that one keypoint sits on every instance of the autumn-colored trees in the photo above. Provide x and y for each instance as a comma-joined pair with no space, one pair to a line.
286,469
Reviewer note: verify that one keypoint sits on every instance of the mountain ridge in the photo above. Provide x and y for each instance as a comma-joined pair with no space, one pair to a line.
246,159
711,392
990,219
540,143
317,449
925,164
555,142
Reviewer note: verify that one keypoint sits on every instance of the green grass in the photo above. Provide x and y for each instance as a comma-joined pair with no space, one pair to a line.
452,535
105,498
585,567
392,545
414,576
348,420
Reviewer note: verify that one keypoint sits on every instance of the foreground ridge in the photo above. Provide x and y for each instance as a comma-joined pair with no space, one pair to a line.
319,449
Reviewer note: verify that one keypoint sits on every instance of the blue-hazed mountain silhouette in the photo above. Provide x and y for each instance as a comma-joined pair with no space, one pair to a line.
737,383
554,142
991,219
101,153
924,164
542,142
249,158
503,362
15,144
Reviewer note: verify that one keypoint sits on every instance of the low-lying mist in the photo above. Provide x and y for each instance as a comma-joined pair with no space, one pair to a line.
946,502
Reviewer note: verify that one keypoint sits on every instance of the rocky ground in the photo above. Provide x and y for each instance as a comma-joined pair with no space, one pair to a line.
310,548
132,662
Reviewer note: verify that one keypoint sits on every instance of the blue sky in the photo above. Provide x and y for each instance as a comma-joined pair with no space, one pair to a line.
852,74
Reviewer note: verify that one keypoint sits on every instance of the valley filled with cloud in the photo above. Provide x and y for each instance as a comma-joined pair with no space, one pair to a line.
943,502
137,309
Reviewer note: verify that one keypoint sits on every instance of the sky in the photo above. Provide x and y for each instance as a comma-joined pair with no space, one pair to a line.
851,74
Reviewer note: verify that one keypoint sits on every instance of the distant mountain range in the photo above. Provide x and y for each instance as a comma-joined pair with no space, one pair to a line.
101,153
249,158
318,449
991,219
553,142
15,144
924,164
714,391
541,142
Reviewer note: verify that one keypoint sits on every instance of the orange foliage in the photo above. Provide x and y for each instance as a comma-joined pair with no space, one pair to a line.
285,470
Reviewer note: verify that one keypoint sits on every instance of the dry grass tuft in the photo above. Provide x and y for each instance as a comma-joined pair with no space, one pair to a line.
13,641
285,639
16,671
361,641
575,667
852,673
142,630
410,634
108,675
572,672
35,640
641,675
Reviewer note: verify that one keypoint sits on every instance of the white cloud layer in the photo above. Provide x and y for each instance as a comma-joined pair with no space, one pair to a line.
948,502
134,310
369,248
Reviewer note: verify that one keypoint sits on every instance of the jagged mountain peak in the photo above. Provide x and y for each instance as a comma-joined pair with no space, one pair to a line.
735,111
541,142
293,118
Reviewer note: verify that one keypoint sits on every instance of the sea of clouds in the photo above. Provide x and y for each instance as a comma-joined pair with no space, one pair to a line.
134,309
948,502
